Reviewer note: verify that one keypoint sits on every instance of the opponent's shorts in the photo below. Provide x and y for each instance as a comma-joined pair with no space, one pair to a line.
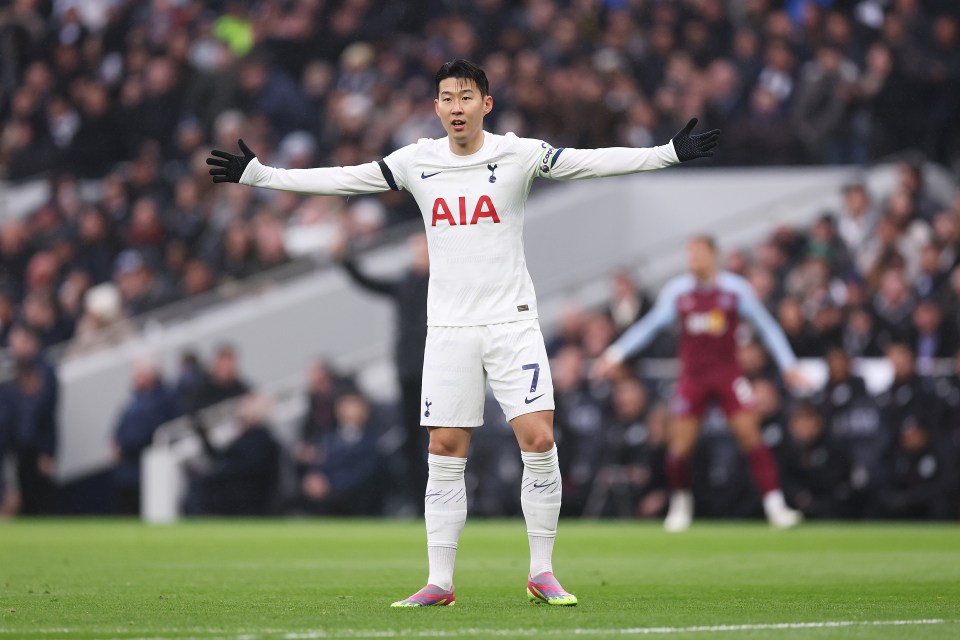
459,361
729,389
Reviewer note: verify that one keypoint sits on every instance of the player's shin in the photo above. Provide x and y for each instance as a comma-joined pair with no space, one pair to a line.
540,493
445,512
764,471
679,474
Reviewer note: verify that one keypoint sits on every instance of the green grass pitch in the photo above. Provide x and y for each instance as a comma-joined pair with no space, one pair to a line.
297,580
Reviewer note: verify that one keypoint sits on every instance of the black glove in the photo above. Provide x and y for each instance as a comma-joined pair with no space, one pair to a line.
689,147
230,166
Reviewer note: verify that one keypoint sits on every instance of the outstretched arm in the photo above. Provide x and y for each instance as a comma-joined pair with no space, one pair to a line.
372,177
380,286
771,334
643,332
574,164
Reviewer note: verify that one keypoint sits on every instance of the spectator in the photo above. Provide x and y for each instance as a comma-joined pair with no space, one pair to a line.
102,320
7,315
908,400
97,144
932,274
859,336
151,405
324,387
930,336
892,306
33,398
141,288
41,314
803,340
855,424
409,297
223,381
580,417
628,303
570,331
9,493
345,477
815,472
770,408
242,477
190,376
821,107
633,459
911,185
95,247
858,217
920,477
947,436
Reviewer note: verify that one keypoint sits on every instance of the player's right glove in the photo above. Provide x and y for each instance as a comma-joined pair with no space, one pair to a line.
229,167
690,147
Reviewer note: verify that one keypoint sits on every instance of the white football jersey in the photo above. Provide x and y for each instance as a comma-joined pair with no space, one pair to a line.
473,209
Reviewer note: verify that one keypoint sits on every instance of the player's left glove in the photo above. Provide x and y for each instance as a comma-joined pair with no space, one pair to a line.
690,147
229,167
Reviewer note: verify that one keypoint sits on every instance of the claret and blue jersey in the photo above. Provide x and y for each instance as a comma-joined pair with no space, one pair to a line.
708,315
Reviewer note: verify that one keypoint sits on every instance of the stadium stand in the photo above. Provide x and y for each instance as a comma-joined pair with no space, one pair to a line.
108,218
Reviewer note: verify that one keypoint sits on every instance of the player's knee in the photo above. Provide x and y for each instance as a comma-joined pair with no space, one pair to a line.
441,447
539,442
682,447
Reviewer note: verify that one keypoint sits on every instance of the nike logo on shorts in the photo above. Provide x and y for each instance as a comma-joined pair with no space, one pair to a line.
424,176
534,399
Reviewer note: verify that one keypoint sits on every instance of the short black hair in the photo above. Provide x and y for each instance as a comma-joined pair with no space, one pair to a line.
465,70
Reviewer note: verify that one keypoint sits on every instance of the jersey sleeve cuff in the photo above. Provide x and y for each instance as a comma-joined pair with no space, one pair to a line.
670,152
614,354
250,172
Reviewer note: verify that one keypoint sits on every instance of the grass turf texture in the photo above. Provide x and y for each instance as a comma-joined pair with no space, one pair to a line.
293,580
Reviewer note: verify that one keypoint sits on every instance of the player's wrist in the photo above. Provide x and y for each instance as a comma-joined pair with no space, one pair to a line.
250,171
614,355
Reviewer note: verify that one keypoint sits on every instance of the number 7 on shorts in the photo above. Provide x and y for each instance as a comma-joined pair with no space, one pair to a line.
536,375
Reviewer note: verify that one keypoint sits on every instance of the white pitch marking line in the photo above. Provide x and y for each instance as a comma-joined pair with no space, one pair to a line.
410,633
636,631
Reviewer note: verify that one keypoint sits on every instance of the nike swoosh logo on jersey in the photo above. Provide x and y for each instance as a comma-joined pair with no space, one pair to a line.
424,176
529,400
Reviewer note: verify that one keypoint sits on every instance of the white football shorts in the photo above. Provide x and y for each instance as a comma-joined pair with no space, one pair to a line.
459,361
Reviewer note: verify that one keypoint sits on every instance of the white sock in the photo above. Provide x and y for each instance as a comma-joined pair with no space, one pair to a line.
445,512
773,502
540,492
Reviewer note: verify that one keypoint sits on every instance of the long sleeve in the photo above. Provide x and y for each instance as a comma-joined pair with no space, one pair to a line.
643,332
373,177
770,332
576,164
375,285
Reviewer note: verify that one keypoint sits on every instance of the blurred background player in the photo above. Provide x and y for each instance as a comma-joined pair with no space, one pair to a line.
709,303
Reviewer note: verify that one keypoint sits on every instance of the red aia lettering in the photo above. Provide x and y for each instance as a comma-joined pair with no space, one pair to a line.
483,209
440,203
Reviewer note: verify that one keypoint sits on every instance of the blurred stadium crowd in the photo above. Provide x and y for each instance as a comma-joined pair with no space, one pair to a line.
116,103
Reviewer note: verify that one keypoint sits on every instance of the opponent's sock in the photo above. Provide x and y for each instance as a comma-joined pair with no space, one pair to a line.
678,472
763,469
540,491
445,512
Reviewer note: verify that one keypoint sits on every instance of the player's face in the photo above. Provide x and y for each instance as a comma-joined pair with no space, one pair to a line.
461,108
701,259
